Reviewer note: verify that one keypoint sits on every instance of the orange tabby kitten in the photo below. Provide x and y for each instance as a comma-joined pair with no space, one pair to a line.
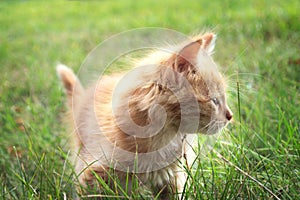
144,117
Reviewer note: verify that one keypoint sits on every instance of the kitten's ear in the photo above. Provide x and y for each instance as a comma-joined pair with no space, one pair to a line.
208,41
187,56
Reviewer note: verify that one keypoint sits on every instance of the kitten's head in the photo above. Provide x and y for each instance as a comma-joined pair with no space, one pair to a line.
193,61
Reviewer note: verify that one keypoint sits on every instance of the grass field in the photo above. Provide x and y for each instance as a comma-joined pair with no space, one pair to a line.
258,157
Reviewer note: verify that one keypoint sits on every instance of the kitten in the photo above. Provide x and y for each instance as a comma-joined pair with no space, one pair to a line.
147,115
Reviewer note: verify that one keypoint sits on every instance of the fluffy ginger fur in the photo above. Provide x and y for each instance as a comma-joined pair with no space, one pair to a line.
141,115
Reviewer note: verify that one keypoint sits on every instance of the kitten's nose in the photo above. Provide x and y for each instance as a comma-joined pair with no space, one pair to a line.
228,115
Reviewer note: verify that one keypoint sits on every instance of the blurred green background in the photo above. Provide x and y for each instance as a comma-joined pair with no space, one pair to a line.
257,48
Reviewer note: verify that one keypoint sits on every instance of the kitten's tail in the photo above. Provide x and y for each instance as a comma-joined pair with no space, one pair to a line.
72,85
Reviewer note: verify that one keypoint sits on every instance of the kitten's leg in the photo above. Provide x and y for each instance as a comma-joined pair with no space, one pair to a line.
174,189
179,182
88,180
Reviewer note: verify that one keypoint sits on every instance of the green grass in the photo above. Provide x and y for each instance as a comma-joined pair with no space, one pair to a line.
258,47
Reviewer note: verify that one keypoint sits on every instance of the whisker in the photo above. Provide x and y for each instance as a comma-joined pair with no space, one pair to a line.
237,56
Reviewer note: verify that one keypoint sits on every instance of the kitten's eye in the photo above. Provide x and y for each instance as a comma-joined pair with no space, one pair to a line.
216,101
